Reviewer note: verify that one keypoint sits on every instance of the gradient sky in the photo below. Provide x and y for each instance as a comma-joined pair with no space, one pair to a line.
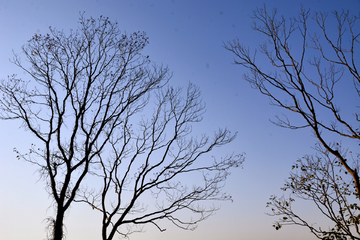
188,37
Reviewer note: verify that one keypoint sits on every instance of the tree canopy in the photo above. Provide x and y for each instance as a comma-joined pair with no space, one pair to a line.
303,73
84,98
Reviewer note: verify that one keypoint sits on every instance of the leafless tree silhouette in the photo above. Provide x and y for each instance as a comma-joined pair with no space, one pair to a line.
82,85
157,170
88,91
303,73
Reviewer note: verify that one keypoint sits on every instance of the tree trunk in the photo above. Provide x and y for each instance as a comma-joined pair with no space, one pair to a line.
58,233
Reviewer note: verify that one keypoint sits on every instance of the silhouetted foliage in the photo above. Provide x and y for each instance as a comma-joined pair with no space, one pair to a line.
322,179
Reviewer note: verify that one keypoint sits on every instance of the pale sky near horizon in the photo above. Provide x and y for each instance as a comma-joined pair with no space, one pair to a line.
188,36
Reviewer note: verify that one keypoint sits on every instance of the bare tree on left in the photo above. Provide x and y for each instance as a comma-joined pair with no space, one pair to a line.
81,85
85,103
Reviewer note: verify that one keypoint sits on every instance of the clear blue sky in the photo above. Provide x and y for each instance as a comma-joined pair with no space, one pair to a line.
186,35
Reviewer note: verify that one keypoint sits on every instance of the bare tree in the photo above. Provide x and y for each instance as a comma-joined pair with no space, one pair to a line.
157,170
82,86
308,86
86,89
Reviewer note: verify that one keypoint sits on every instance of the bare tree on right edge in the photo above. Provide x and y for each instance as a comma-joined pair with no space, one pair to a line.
157,171
310,84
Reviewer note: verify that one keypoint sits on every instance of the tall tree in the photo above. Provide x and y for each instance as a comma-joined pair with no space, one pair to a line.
303,73
87,91
81,87
147,177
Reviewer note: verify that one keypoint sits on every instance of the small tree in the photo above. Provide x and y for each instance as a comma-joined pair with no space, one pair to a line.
153,162
299,83
322,179
83,86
